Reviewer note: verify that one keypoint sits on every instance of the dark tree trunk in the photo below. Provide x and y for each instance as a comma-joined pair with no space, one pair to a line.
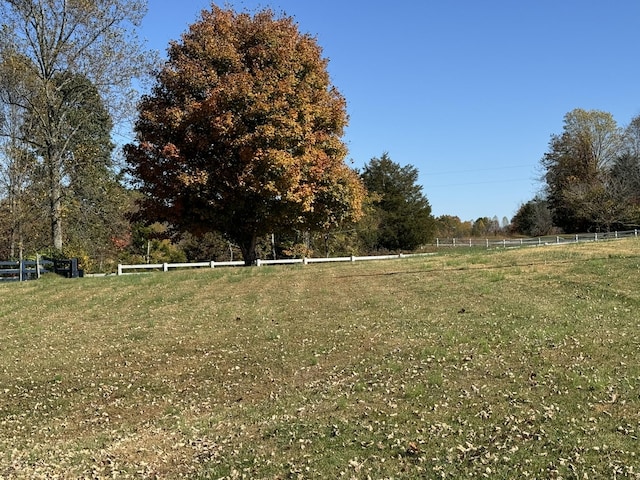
248,249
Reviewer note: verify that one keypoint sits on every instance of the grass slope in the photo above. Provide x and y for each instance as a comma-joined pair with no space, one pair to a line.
498,364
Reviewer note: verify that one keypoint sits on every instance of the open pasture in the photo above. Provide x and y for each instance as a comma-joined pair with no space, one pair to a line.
468,364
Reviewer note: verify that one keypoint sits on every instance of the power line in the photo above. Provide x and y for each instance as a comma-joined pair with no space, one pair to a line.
426,185
453,172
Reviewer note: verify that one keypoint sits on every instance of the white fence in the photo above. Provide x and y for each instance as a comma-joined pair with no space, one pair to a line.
165,267
471,242
547,240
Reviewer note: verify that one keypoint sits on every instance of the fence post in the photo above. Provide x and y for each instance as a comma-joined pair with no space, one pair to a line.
165,267
454,242
487,242
437,242
616,234
353,258
557,239
258,262
119,269
470,241
635,232
596,236
212,263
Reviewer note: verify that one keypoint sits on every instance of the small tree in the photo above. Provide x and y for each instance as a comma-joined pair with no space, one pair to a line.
242,134
533,218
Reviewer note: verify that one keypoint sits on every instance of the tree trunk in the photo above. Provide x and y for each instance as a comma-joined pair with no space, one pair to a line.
248,249
13,213
56,223
55,199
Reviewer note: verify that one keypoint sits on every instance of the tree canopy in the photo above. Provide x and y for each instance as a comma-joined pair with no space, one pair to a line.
403,213
241,133
589,169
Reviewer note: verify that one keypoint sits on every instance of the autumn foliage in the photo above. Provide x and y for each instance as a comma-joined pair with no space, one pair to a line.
242,133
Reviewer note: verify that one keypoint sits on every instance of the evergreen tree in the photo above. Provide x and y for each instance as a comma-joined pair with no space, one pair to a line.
403,213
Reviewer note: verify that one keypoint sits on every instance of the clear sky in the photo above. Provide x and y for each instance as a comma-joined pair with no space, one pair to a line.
467,91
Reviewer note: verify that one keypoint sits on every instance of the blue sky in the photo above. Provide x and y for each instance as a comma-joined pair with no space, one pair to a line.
468,92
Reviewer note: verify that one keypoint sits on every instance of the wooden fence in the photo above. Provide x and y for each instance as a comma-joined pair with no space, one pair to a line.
20,270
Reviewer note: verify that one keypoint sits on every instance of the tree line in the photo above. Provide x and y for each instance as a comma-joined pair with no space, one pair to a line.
238,140
66,72
238,148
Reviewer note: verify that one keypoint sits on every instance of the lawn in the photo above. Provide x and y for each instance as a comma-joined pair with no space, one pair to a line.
466,364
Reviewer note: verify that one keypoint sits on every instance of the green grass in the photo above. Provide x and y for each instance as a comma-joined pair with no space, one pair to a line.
497,364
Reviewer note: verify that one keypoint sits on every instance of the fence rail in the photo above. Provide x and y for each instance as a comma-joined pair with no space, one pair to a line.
20,270
165,267
471,242
546,240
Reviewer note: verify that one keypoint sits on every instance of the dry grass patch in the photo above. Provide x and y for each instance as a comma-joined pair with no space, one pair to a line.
496,363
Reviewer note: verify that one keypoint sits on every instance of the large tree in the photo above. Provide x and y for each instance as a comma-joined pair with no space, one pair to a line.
95,202
242,133
16,170
403,212
47,45
577,168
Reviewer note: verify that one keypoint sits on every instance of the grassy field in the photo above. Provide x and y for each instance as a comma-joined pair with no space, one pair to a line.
470,364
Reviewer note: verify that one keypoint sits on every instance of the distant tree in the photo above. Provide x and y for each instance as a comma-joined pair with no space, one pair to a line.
449,226
46,43
482,227
494,227
242,134
403,212
625,171
624,187
632,137
533,218
624,176
576,171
